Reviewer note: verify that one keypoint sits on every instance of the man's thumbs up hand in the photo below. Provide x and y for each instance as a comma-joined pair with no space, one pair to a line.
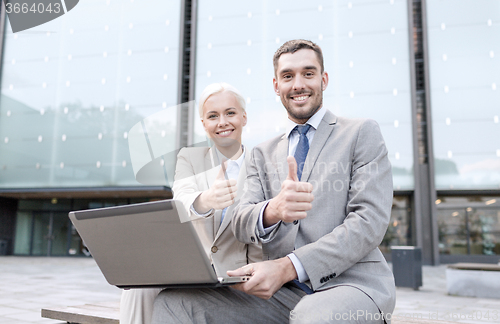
293,201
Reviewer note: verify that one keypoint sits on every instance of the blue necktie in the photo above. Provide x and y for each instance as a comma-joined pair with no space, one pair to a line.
305,288
223,214
300,157
302,148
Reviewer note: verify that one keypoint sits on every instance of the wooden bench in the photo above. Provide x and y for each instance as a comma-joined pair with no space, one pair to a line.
108,313
102,313
473,280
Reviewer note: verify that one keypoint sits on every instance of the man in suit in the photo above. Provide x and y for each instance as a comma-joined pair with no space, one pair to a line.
320,214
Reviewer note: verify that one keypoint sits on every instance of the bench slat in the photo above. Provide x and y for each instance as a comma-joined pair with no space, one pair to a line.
475,266
85,314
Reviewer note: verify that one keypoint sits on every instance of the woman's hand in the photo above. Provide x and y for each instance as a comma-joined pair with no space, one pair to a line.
220,195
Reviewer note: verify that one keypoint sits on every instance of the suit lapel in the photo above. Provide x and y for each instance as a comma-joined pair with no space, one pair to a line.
211,166
281,155
241,183
322,134
210,175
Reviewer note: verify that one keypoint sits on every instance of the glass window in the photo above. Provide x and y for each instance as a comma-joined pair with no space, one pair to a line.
399,231
484,231
366,53
143,200
76,246
452,231
59,234
469,225
45,204
464,62
22,241
41,233
50,233
72,89
81,204
43,226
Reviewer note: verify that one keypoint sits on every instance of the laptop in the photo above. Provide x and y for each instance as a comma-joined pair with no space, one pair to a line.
147,245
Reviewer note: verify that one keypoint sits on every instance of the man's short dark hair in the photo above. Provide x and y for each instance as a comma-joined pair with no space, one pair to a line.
293,46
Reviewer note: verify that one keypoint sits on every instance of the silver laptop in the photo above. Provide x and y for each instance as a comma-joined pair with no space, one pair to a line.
147,245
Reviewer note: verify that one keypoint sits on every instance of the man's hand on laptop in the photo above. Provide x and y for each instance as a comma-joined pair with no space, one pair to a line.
266,277
293,201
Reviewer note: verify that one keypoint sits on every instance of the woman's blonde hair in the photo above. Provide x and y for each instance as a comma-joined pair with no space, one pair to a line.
218,88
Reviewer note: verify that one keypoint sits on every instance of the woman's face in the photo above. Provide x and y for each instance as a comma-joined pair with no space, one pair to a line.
223,119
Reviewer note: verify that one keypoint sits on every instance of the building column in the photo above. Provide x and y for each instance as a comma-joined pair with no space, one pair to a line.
424,208
187,69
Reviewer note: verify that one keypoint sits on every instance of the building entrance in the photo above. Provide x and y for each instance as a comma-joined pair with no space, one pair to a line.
50,233
43,227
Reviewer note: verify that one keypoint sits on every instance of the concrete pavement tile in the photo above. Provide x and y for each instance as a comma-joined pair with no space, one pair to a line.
4,320
5,310
49,299
414,314
43,320
27,306
6,301
486,314
487,303
475,322
27,316
11,288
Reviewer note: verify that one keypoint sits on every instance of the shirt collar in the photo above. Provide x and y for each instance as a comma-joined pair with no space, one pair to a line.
238,161
313,121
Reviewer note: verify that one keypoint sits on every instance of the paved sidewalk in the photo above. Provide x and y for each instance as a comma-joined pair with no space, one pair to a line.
28,284
432,302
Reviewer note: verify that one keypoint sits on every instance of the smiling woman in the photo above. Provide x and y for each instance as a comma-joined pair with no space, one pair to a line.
223,115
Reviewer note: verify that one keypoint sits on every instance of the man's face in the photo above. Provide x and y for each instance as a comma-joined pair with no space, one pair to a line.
300,84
